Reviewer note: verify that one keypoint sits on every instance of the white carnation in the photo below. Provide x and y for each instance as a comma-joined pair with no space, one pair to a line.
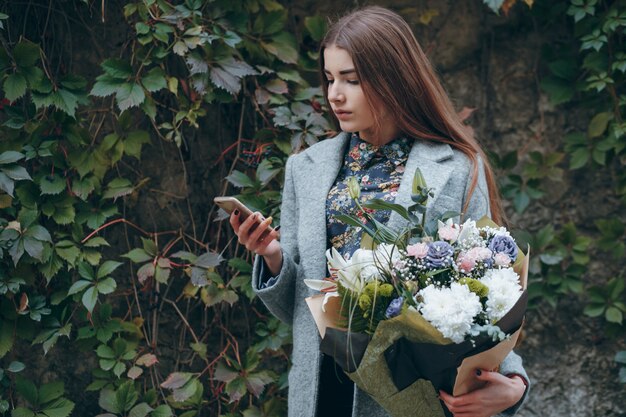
450,310
504,291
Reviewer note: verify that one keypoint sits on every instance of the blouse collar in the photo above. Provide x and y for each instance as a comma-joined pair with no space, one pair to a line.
363,152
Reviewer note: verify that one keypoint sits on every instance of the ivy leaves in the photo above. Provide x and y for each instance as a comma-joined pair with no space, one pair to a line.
46,401
94,282
119,80
10,171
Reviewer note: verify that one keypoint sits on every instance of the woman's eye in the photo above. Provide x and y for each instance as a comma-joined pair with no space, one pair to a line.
353,82
330,81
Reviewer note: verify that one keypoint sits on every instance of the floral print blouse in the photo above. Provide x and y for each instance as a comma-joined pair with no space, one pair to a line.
379,170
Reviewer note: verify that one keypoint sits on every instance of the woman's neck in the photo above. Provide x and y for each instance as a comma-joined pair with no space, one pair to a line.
386,135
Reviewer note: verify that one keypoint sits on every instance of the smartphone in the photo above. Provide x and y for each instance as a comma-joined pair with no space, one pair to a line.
229,204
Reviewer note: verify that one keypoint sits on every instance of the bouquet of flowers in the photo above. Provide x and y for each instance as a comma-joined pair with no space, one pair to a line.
430,303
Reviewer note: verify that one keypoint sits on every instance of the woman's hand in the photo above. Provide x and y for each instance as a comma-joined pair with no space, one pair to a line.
255,234
500,393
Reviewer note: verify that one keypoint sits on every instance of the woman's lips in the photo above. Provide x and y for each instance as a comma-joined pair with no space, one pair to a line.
343,115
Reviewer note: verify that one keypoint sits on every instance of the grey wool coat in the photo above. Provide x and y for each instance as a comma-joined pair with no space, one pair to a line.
309,176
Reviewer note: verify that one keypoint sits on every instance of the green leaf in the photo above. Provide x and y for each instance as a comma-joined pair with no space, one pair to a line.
598,124
126,396
65,101
283,46
134,141
7,335
138,255
105,86
78,286
239,179
117,68
14,86
38,232
16,366
613,315
130,95
140,410
106,286
316,26
28,390
6,184
16,172
22,412
60,408
620,357
107,268
51,391
10,157
117,188
108,401
162,411
52,184
34,248
154,80
26,53
90,297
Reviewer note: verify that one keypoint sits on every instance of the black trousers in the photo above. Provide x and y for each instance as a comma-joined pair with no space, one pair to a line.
335,391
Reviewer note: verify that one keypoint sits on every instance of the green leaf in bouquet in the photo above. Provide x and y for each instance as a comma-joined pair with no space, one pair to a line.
380,204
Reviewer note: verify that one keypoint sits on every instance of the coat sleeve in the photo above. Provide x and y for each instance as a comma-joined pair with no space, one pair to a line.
477,208
279,297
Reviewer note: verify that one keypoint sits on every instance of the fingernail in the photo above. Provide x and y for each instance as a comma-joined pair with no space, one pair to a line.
479,372
277,228
236,212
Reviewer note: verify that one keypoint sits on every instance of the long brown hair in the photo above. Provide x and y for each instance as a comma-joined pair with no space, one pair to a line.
395,72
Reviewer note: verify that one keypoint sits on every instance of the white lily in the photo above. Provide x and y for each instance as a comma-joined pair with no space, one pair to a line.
469,231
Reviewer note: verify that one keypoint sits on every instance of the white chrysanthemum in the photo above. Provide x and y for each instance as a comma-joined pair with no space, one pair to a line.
504,291
450,310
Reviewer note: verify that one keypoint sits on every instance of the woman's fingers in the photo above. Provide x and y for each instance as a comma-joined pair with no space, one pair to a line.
261,230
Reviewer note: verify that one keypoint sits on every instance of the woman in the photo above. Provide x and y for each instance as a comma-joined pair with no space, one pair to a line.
394,116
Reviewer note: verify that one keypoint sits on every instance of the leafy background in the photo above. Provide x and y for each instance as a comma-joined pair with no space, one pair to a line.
122,293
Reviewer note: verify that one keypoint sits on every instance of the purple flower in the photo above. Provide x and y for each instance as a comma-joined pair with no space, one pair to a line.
394,308
504,244
439,254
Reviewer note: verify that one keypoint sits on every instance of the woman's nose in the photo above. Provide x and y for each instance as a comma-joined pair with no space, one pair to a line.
334,95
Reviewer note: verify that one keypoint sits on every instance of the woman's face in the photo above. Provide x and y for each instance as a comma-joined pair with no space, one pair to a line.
348,101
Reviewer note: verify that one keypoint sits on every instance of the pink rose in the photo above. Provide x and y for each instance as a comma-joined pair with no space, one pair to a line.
502,259
418,250
449,233
479,253
466,264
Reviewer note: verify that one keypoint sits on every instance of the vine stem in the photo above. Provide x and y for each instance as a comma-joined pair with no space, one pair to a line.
111,223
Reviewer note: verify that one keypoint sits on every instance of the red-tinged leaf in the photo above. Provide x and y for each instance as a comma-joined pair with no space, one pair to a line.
224,374
147,360
164,263
145,272
23,303
176,380
134,372
209,260
257,382
277,86
225,80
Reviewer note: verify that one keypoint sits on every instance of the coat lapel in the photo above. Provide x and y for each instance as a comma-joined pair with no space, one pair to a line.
431,159
319,171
